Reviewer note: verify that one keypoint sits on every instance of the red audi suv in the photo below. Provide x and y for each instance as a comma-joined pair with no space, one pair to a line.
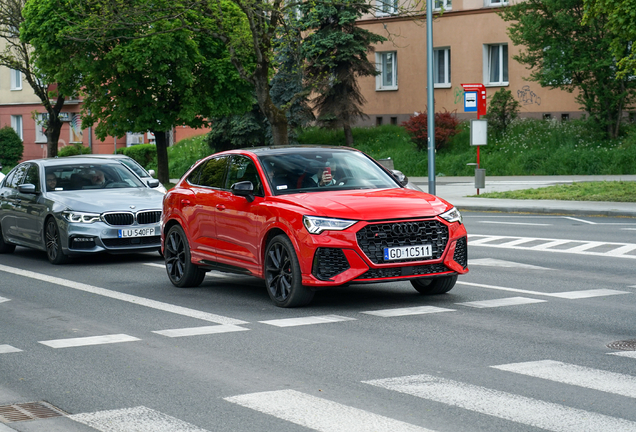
305,218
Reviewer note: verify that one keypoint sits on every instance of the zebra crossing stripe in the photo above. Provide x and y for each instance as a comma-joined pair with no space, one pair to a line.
5,349
292,322
2,299
417,310
138,419
629,354
520,409
610,382
320,414
571,295
198,331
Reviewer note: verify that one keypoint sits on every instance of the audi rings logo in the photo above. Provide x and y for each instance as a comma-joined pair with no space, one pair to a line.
410,228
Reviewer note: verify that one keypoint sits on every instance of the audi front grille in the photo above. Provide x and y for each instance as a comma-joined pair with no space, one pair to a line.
373,238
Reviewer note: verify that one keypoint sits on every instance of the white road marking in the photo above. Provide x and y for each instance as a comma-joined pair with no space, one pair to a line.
516,408
629,229
609,382
618,250
197,331
567,294
491,262
320,414
212,273
90,340
292,322
2,299
514,223
417,310
579,220
5,349
510,301
138,419
141,301
629,354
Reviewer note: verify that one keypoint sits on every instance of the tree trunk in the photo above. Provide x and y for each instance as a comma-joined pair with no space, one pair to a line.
53,126
346,125
276,117
163,172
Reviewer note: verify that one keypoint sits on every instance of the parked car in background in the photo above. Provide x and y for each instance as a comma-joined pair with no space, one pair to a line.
72,206
305,218
146,176
1,175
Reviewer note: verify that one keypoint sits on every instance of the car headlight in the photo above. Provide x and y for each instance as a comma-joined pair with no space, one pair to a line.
452,215
316,225
81,217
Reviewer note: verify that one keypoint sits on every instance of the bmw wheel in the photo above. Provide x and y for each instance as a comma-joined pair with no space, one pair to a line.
181,271
53,243
282,274
438,285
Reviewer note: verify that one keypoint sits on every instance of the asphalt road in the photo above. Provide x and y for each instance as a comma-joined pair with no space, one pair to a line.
520,344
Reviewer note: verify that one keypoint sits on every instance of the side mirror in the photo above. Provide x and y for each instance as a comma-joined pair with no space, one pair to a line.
27,188
153,183
244,189
404,180
152,173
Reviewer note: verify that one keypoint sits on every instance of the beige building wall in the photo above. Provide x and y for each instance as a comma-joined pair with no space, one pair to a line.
466,30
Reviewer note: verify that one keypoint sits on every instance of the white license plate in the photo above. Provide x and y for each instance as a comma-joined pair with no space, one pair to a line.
136,232
407,252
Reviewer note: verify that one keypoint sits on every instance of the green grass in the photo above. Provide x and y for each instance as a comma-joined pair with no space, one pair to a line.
615,191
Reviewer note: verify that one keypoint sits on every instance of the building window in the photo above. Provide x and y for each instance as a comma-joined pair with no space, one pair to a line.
386,7
496,67
40,126
378,121
16,80
394,121
443,5
16,124
494,3
565,117
387,66
441,67
547,116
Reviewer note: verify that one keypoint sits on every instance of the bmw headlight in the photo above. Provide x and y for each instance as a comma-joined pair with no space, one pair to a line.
452,215
316,225
80,217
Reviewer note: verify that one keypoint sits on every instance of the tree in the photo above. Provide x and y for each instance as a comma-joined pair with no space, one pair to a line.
337,51
11,147
564,52
252,56
142,79
502,110
18,55
621,23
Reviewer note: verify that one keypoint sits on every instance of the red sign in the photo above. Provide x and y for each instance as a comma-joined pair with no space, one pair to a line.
481,96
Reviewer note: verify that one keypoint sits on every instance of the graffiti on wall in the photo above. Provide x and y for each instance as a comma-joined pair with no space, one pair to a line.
459,95
527,97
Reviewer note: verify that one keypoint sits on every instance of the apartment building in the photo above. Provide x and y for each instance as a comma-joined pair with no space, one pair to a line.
470,44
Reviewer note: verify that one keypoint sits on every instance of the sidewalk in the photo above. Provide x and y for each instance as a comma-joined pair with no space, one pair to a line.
456,190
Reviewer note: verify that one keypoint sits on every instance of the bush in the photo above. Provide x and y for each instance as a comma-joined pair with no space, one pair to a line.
72,150
445,128
502,110
11,147
145,154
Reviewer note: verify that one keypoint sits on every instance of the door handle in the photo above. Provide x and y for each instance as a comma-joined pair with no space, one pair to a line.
185,202
220,207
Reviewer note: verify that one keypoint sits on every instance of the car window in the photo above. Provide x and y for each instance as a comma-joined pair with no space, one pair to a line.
243,169
133,165
213,172
15,177
33,177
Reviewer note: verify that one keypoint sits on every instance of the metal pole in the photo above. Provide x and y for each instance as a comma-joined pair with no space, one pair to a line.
430,97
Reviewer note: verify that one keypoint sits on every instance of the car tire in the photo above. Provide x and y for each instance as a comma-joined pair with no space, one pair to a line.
53,243
5,247
431,286
181,271
283,278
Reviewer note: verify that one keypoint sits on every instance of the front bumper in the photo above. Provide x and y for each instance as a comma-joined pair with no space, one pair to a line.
356,254
80,238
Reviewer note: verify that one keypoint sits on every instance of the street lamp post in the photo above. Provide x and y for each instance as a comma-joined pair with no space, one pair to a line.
430,97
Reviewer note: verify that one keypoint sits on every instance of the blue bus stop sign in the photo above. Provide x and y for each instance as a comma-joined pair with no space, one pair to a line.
470,101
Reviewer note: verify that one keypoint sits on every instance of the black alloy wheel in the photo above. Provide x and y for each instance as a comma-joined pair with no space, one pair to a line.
181,271
53,243
282,275
430,286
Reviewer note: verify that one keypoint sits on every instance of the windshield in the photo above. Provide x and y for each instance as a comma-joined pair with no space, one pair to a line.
90,176
296,171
